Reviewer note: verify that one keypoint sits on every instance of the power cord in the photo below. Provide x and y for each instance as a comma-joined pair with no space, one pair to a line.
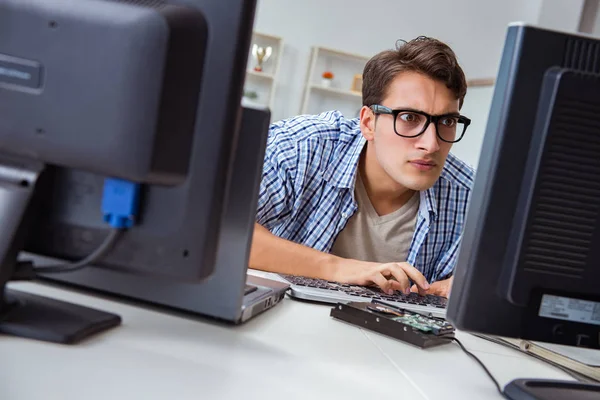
120,203
482,366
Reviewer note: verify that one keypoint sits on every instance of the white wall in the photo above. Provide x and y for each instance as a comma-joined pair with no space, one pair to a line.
475,29
562,15
596,28
476,107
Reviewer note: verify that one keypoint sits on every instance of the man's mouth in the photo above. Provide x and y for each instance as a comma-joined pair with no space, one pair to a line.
423,165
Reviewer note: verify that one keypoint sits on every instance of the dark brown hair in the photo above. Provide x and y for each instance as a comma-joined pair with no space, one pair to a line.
424,55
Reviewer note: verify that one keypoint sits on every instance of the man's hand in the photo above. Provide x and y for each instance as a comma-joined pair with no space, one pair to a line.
389,277
274,254
438,288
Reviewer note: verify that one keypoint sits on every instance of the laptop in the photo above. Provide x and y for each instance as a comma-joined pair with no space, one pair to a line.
322,291
259,293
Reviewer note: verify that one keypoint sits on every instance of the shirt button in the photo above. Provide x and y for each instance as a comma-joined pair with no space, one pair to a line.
345,214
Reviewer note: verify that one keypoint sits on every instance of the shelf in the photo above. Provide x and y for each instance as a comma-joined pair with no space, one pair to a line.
341,92
254,104
346,67
342,53
267,36
261,75
264,83
481,82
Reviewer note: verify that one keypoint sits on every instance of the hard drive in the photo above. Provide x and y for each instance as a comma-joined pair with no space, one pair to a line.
408,326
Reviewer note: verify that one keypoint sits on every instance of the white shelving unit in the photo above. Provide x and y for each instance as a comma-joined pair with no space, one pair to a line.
263,83
339,96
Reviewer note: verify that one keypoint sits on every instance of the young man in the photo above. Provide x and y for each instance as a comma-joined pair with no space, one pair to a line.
376,200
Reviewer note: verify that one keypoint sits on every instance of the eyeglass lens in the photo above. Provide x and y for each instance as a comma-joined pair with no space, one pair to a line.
411,124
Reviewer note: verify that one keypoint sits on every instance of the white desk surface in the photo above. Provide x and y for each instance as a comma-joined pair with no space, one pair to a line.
293,351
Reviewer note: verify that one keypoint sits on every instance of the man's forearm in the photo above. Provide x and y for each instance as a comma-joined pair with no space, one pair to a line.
274,254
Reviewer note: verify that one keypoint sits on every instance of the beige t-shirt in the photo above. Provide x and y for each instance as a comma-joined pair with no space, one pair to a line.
370,237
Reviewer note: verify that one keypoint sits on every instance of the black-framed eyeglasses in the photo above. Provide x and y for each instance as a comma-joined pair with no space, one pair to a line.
410,123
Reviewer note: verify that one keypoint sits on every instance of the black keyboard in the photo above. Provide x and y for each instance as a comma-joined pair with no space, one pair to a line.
368,292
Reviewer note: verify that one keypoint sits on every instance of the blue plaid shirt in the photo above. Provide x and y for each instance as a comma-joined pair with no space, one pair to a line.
306,192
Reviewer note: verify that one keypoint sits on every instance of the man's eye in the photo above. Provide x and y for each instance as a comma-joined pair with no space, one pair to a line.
449,122
409,117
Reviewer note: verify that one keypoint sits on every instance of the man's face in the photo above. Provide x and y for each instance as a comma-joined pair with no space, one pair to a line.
414,163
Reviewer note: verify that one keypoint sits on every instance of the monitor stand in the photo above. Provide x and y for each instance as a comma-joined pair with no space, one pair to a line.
22,183
547,389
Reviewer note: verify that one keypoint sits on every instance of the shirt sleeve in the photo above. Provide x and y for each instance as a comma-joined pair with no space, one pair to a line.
276,194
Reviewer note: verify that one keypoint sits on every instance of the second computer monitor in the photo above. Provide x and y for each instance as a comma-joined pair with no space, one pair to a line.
529,263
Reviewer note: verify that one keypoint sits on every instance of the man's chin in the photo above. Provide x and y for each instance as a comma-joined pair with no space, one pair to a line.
419,183
421,187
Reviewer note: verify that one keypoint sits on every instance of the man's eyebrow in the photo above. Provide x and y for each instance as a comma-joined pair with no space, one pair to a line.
453,112
405,108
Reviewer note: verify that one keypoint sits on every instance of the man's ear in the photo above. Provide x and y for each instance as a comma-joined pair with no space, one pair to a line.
367,123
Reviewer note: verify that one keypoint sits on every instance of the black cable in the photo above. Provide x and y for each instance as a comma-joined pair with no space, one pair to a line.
482,366
94,257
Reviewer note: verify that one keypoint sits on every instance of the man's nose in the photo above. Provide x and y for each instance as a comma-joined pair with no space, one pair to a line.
428,141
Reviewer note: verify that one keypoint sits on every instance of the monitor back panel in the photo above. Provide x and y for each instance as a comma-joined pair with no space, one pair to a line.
176,235
221,294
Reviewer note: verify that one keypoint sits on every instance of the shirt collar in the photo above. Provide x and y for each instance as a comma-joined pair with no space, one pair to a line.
341,173
430,202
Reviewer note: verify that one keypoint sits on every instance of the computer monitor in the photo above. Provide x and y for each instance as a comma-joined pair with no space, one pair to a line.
138,97
529,261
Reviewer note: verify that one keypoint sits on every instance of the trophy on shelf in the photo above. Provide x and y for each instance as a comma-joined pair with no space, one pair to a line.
261,55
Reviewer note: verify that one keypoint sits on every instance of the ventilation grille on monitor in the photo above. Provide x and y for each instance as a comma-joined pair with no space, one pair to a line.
582,55
566,209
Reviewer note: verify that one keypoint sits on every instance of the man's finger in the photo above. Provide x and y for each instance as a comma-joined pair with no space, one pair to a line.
435,288
416,289
381,281
395,285
415,275
440,288
400,276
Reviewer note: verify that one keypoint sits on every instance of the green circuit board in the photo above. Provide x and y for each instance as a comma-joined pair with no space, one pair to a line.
415,320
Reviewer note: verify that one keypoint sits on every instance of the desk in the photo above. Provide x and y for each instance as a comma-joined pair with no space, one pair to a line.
293,351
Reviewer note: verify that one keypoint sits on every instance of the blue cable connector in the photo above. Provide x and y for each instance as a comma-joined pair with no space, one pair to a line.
120,202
